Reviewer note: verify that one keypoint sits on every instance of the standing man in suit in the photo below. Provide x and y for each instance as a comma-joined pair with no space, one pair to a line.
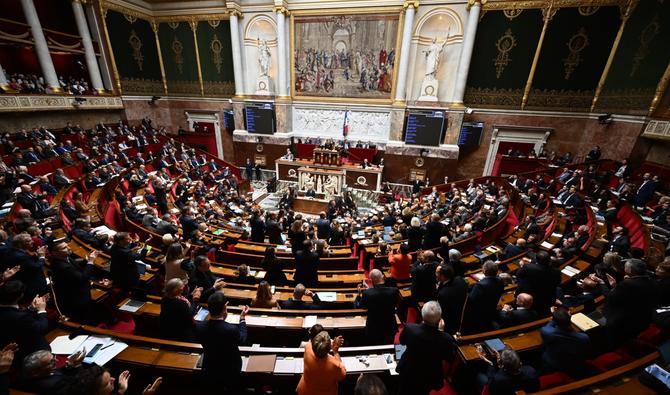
257,226
434,231
31,263
630,305
423,277
420,367
381,302
123,268
23,327
72,282
307,265
564,349
451,293
273,230
620,242
540,280
221,360
323,227
482,306
646,190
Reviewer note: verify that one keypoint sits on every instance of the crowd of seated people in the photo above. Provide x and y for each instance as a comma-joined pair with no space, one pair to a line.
206,193
31,83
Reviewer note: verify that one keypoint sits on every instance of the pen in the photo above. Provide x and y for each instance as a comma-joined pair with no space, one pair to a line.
108,346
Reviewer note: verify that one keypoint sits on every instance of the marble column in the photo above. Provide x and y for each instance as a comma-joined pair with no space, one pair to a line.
3,78
95,28
282,52
89,52
403,62
41,47
466,51
237,53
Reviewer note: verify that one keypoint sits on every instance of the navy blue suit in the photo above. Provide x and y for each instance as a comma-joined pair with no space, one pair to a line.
483,303
221,362
564,350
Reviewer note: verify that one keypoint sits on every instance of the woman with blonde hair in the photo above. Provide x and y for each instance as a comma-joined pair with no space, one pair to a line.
264,298
173,262
322,371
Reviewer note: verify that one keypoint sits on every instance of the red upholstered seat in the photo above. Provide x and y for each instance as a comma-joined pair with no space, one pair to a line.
608,361
554,380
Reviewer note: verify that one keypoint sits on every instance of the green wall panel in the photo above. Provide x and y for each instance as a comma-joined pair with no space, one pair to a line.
502,57
640,60
178,51
135,54
575,49
216,58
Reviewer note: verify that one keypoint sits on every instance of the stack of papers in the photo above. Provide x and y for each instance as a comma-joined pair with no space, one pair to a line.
547,245
99,350
63,345
583,322
288,365
327,296
570,271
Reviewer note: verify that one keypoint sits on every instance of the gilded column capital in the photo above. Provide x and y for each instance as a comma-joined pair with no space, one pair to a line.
280,9
235,12
410,3
194,24
473,2
154,26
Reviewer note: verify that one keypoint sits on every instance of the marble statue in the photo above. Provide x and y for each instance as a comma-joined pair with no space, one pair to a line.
264,57
433,54
330,187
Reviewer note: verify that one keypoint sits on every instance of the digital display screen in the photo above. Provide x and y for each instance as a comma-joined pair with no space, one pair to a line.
260,118
424,127
228,120
471,135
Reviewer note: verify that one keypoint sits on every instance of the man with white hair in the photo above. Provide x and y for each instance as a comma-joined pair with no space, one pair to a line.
381,302
420,367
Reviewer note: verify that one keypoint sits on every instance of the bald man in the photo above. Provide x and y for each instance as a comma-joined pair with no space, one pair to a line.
523,313
381,302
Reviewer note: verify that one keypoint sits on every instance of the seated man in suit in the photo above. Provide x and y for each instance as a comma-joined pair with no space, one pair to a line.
514,249
540,280
23,327
41,375
310,192
381,302
296,302
507,375
590,290
564,349
420,367
523,313
202,277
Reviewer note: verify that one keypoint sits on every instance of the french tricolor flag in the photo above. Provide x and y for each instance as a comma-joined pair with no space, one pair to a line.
345,126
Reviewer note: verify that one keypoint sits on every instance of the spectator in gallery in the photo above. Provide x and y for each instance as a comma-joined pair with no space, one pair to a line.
249,169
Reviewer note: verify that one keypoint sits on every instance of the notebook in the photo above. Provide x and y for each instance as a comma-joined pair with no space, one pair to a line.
261,363
583,322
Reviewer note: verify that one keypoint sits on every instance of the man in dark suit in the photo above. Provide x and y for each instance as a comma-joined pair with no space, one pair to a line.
571,198
381,302
630,306
60,179
46,187
202,277
507,375
72,282
434,231
646,190
24,327
482,305
221,360
523,313
32,265
257,225
594,154
451,293
273,230
82,231
620,242
123,268
296,302
423,277
540,280
323,227
420,367
32,202
307,265
514,249
165,225
564,349
188,223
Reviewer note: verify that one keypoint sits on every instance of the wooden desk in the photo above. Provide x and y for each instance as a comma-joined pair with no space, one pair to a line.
520,342
310,206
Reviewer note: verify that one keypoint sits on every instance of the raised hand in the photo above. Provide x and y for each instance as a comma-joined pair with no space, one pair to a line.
123,382
153,387
7,357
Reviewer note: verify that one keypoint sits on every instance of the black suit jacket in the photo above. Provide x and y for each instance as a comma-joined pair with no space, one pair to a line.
483,303
516,317
220,341
434,230
274,232
292,304
451,296
26,328
381,302
257,229
423,281
630,306
176,320
306,268
204,280
72,285
31,273
123,268
421,363
540,281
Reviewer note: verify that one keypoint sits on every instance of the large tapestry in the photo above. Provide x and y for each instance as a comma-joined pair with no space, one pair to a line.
351,56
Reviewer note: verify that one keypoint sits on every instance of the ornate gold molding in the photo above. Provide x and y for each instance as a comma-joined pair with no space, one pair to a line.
577,43
473,2
154,27
110,50
547,14
660,90
14,103
625,15
108,5
194,27
536,4
505,44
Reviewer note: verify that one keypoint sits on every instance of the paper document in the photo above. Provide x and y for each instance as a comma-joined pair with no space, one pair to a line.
570,271
63,345
309,321
288,365
583,322
327,296
547,245
109,348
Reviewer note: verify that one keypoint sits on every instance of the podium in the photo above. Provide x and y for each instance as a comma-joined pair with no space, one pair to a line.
322,156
